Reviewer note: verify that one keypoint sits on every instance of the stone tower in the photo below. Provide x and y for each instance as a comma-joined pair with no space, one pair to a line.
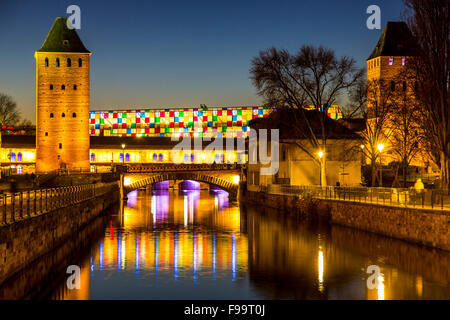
389,58
62,101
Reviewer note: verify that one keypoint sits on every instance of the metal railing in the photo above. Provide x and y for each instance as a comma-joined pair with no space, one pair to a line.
397,197
20,205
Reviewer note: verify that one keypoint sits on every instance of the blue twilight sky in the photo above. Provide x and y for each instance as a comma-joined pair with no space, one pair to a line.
179,53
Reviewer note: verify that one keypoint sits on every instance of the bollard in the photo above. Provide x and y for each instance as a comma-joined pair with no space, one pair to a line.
34,202
28,203
13,209
21,205
5,198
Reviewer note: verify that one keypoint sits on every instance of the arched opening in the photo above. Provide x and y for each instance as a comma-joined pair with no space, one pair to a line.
63,87
57,62
121,157
161,157
51,87
69,62
60,145
19,170
127,157
92,157
155,157
63,115
80,62
51,115
74,115
46,62
75,87
19,156
13,156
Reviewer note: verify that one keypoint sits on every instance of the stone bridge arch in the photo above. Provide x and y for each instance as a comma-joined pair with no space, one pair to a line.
224,184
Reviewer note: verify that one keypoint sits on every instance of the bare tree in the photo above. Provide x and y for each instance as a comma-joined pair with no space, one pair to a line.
9,114
313,76
376,132
406,134
429,21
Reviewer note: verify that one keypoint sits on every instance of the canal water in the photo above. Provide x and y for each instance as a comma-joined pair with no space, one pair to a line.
198,245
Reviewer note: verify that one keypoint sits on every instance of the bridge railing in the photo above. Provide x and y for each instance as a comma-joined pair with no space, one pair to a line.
398,197
21,205
181,167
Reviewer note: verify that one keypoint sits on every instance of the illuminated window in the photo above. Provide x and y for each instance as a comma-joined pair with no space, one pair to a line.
80,62
391,61
19,156
127,157
92,157
51,115
46,62
74,115
51,87
192,157
69,62
403,61
63,87
74,87
19,170
57,62
13,156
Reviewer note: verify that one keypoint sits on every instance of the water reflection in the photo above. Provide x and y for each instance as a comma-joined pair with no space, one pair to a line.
194,244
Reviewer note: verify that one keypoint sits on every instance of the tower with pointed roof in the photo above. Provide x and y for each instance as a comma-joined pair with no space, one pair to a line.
389,58
62,101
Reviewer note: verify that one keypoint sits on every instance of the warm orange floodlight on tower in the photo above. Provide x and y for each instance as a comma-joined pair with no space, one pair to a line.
62,101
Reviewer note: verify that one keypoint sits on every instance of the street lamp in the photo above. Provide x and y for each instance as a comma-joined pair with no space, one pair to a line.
380,148
320,154
123,153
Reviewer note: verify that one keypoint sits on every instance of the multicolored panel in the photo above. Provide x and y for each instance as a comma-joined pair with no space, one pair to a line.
194,122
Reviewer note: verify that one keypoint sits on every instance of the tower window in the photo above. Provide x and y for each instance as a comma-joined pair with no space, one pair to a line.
46,62
80,62
392,86
57,62
51,87
63,115
69,62
74,87
51,115
63,87
46,134
74,115
391,61
403,61
60,145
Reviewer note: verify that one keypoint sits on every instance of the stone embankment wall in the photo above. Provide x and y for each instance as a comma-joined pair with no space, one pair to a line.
427,227
25,241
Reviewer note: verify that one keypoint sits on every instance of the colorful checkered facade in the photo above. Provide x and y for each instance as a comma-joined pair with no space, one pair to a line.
194,122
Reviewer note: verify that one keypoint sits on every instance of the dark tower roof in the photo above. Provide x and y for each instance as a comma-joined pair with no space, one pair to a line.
396,40
62,39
